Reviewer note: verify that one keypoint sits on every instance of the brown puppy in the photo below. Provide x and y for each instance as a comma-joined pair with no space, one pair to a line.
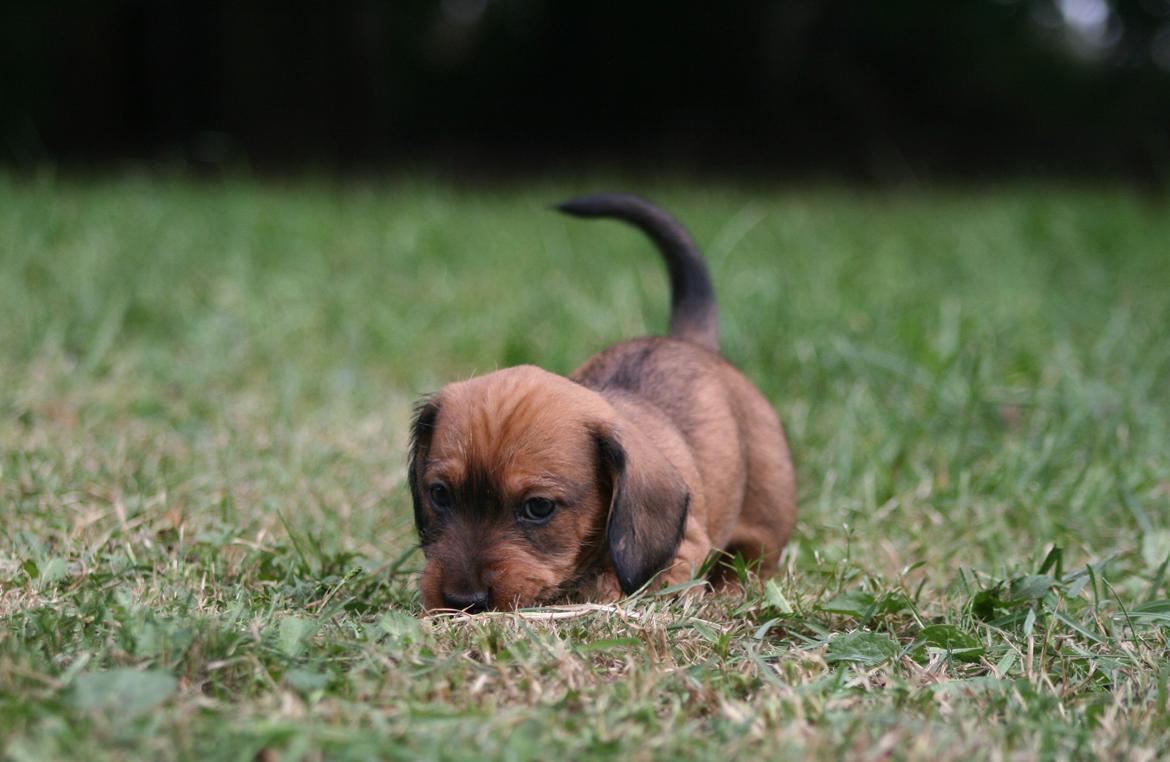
528,486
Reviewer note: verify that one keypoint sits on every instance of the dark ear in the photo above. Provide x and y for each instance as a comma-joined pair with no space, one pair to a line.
421,430
648,508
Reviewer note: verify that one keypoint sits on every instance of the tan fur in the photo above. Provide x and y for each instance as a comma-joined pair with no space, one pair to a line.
531,432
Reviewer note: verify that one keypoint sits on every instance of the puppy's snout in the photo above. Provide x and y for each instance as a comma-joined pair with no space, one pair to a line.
472,603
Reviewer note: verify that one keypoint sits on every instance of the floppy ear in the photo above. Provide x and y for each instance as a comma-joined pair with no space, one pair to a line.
647,510
421,430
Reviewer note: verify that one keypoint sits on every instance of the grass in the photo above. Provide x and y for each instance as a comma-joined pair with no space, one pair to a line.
206,549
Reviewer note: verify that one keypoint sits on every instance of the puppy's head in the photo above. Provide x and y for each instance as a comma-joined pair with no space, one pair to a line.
523,481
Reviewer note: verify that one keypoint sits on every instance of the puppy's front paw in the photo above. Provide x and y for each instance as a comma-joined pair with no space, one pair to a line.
602,588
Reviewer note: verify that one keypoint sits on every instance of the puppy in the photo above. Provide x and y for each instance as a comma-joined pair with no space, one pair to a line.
529,487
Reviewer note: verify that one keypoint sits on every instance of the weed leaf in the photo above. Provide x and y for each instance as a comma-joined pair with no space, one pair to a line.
293,633
868,648
127,691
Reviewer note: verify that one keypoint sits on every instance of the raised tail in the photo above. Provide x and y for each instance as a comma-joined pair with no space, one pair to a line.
694,316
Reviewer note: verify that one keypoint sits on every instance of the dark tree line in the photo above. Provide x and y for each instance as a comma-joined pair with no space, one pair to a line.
876,88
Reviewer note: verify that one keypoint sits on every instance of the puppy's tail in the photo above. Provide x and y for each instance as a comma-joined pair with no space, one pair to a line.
694,316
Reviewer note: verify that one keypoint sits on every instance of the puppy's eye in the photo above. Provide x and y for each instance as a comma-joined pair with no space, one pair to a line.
440,496
537,509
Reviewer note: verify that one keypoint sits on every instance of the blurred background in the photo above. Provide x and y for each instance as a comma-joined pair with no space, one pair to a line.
871,91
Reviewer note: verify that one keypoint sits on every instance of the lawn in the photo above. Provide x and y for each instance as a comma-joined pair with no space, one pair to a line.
206,547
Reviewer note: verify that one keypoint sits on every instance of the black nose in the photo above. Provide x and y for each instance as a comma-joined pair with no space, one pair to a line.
472,603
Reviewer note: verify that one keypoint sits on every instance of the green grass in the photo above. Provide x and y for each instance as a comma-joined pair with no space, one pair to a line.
206,549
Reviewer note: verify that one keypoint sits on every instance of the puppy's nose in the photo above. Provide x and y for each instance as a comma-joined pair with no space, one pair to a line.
472,603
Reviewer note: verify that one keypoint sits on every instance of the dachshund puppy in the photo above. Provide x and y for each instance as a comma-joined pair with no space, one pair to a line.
529,487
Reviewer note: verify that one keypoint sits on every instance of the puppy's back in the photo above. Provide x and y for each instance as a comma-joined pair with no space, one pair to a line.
733,434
